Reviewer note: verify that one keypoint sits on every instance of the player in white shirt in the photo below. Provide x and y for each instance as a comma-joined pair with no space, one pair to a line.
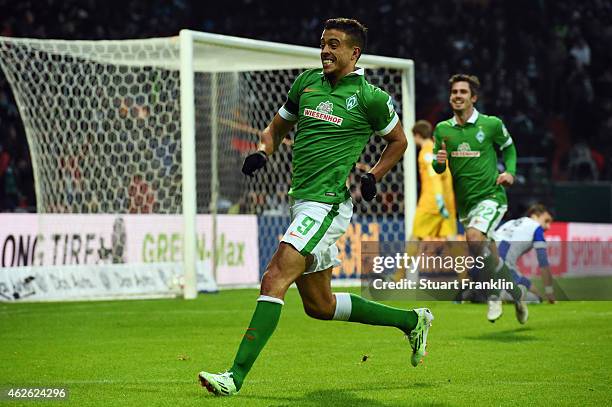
516,237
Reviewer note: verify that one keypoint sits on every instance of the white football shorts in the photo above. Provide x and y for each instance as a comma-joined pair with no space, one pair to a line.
315,228
485,216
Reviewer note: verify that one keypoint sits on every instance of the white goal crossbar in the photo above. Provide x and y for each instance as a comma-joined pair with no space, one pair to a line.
198,61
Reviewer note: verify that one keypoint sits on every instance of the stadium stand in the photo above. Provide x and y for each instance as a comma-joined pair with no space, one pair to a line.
545,66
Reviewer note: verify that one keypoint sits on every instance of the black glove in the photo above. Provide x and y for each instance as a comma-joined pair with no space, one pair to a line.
254,162
368,186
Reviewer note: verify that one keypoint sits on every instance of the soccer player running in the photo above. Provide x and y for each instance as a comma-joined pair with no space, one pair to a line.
336,111
516,237
435,214
468,141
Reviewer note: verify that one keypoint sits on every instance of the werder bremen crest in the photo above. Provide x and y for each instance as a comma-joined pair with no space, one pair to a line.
325,107
480,136
351,102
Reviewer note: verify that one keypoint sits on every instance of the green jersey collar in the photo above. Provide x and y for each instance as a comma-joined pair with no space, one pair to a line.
358,71
471,120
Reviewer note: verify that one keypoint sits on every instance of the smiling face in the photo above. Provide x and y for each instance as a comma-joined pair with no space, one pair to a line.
338,53
461,97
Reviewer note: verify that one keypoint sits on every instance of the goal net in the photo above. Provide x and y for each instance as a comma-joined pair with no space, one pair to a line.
154,132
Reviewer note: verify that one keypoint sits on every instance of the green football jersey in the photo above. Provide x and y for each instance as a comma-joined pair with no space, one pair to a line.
472,158
333,126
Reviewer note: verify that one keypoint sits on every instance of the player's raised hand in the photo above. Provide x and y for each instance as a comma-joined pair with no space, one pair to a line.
442,155
505,179
254,162
368,186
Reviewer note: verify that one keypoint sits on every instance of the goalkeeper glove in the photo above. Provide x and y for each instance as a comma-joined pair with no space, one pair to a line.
368,186
254,162
441,206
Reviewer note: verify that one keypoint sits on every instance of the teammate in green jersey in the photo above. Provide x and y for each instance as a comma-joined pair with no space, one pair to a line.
336,111
468,141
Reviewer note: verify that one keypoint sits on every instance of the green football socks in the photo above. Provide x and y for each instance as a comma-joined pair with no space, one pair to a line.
353,308
498,270
262,325
349,307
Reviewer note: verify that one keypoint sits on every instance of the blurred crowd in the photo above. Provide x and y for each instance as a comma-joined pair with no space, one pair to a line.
545,65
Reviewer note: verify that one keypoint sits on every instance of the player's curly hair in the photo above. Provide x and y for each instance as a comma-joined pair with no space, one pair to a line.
353,28
472,80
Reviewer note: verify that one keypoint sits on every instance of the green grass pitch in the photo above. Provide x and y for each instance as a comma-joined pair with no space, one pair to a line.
148,353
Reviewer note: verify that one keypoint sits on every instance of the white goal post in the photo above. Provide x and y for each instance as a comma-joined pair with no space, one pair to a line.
178,114
261,55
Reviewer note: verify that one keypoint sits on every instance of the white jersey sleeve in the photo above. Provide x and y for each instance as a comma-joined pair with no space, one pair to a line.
516,237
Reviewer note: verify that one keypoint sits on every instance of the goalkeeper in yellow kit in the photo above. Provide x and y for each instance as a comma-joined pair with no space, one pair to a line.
435,215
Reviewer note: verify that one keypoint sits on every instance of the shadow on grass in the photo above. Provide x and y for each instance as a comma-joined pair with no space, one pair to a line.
346,397
509,335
